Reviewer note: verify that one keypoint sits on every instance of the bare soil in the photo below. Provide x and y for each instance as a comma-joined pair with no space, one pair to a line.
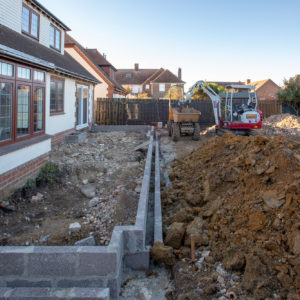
238,199
105,168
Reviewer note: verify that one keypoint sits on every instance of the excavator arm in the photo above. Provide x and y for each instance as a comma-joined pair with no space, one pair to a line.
214,97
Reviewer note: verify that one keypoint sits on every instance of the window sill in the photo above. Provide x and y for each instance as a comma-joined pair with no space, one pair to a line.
57,113
23,144
79,127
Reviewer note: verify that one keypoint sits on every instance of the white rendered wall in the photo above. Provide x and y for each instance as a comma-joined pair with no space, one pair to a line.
100,89
62,122
16,158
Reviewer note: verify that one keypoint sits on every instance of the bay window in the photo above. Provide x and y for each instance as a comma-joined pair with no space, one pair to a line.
22,102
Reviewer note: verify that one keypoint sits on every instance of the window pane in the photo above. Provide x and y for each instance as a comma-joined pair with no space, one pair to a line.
60,94
38,100
57,39
5,111
52,33
34,24
84,106
24,73
52,96
23,110
6,69
25,19
39,76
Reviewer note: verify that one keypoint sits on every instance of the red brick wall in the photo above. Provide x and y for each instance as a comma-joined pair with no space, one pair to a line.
60,137
268,91
17,177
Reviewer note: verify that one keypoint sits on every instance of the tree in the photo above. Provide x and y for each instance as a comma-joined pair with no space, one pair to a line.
290,93
200,94
174,92
142,96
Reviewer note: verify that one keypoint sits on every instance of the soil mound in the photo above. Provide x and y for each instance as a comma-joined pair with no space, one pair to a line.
239,198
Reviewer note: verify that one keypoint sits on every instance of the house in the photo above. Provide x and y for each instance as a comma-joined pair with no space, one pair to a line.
155,83
266,89
98,66
44,93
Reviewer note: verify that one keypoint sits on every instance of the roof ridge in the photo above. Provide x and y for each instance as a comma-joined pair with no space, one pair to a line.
160,74
149,78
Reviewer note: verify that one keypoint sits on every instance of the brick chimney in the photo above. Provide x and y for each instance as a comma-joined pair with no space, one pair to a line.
136,67
247,82
179,73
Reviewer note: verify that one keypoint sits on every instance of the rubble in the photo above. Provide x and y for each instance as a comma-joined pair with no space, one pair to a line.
283,124
240,197
94,185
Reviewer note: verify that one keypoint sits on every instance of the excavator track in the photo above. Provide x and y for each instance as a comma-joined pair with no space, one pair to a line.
249,132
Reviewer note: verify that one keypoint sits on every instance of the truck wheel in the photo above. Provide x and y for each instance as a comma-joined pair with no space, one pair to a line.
175,132
169,127
196,134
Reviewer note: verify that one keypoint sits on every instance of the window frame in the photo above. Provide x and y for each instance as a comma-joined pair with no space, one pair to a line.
56,111
38,81
147,86
24,79
16,81
31,11
14,70
161,84
54,47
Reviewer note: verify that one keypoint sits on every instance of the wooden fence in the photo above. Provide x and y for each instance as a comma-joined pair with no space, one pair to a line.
147,111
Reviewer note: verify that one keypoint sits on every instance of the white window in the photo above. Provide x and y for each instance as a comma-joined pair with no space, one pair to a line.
147,86
128,75
55,37
162,87
24,73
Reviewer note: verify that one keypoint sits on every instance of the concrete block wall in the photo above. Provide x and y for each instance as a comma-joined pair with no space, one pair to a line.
82,266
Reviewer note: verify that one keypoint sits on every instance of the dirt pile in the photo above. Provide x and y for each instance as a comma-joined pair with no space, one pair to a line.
239,198
284,124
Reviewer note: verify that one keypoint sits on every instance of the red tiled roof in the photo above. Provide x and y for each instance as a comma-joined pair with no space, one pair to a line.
142,76
167,77
98,58
69,41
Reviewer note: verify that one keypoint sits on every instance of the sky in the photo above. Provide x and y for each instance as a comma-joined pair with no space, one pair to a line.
213,40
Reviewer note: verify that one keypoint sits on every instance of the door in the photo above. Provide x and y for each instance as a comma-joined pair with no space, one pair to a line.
82,107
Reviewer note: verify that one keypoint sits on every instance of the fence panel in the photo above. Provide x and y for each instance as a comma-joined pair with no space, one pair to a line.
148,111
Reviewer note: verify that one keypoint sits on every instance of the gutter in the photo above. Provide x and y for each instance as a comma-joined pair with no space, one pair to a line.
40,62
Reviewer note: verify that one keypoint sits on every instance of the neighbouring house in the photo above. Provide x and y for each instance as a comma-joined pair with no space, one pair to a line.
98,66
155,83
44,93
265,89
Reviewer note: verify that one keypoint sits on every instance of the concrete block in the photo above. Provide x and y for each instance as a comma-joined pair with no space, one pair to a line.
84,283
4,293
11,264
97,263
51,264
96,294
76,137
54,294
137,261
28,283
114,286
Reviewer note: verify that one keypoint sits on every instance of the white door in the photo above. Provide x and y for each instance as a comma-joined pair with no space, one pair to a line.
82,108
